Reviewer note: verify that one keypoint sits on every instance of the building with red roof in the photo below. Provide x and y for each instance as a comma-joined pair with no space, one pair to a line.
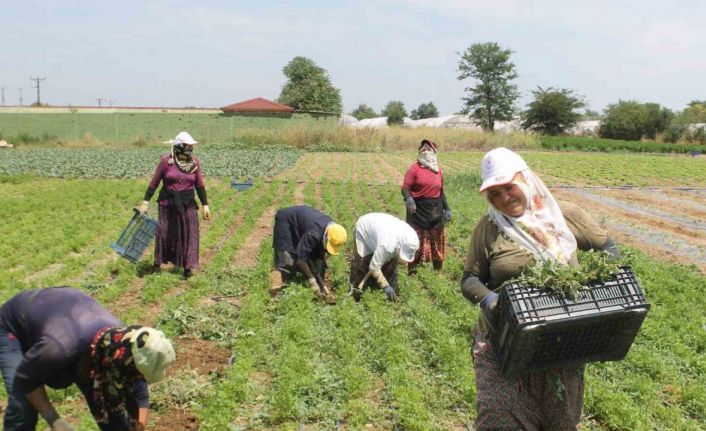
257,105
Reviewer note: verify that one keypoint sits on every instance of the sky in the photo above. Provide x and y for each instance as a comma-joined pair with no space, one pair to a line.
212,53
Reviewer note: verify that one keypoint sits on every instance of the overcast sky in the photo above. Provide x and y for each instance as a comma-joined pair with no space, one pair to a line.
213,53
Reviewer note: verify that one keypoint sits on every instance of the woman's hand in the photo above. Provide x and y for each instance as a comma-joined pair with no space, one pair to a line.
206,213
410,205
142,208
61,425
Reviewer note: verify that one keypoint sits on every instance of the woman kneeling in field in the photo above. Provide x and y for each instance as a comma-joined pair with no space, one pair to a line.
524,224
59,336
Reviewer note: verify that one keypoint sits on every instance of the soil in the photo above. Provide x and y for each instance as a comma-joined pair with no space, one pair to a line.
173,420
663,240
299,192
246,256
202,356
392,174
319,193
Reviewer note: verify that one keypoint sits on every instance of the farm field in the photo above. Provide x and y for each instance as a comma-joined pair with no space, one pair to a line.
299,364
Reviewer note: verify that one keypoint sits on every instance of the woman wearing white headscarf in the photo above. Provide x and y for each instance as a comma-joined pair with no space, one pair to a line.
178,223
524,224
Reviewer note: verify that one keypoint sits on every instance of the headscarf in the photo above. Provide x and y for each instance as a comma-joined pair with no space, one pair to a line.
112,371
181,146
427,155
542,229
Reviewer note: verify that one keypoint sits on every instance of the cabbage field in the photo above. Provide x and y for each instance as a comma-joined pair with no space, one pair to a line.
247,361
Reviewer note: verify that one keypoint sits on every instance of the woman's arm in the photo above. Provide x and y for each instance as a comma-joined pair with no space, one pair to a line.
39,399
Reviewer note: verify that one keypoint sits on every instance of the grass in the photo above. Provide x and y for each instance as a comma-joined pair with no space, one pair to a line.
297,361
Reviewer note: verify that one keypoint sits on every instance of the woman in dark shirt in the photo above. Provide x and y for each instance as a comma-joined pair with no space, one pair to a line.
59,336
178,223
427,209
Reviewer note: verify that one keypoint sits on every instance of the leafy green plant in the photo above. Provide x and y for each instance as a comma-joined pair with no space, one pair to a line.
595,266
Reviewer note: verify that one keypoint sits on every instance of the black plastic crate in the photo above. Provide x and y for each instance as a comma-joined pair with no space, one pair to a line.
136,237
537,329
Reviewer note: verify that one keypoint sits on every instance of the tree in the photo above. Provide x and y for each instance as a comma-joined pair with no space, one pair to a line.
553,111
395,112
632,120
494,95
363,111
425,110
309,87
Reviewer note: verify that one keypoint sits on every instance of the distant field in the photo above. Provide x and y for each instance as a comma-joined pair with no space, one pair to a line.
128,128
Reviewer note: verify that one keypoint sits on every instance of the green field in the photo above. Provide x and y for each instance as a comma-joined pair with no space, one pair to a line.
129,128
370,365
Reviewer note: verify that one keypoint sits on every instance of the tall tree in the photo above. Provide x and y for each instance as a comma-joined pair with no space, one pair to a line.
395,112
493,97
364,111
425,110
553,111
309,87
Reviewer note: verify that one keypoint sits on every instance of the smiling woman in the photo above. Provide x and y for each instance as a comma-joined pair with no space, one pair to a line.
524,225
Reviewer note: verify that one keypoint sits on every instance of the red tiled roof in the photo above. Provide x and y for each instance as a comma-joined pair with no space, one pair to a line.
257,105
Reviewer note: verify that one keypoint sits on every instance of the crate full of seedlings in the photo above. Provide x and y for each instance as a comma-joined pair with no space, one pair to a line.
540,329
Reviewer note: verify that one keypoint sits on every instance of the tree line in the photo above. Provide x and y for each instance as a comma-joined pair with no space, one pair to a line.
492,95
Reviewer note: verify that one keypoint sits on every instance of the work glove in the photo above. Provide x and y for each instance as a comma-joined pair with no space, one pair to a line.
206,213
61,425
390,292
447,215
142,208
410,205
488,307
314,286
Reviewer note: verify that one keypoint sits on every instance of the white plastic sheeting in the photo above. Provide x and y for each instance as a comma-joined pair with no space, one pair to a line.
347,120
588,127
377,123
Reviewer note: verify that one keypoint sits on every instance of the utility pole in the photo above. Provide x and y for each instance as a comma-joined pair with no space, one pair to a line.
38,80
20,96
3,96
100,101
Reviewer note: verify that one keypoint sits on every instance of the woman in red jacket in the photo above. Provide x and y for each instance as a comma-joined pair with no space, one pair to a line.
427,209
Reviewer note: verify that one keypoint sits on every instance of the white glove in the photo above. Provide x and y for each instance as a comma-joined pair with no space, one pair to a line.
143,207
61,425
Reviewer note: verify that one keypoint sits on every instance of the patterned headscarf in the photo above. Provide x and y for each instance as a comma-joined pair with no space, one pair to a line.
187,166
112,371
542,229
427,157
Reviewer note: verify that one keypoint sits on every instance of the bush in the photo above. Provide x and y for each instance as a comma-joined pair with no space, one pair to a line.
632,121
575,143
395,112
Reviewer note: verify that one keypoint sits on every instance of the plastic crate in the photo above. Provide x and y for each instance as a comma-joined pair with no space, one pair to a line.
240,186
136,237
537,329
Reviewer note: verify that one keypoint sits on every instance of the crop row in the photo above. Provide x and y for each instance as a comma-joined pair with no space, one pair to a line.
130,163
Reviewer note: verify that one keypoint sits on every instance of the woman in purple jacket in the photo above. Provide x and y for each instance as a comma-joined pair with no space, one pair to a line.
178,223
60,336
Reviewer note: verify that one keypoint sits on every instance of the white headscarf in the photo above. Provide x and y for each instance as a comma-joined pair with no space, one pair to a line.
542,229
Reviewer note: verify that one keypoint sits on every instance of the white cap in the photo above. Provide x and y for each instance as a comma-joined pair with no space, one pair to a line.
184,138
499,166
409,244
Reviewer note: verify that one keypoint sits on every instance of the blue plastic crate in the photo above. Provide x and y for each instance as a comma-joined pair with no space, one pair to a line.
136,237
538,329
239,185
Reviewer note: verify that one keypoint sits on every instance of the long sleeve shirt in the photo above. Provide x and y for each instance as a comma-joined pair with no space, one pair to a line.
300,230
175,180
381,235
55,328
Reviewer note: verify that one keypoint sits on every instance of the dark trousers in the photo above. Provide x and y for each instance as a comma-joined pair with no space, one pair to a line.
20,415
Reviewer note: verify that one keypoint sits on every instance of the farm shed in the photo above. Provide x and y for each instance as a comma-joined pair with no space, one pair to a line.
258,106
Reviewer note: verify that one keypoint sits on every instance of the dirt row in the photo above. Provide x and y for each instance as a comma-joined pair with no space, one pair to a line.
668,226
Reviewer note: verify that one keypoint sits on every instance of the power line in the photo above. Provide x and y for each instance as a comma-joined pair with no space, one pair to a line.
37,80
